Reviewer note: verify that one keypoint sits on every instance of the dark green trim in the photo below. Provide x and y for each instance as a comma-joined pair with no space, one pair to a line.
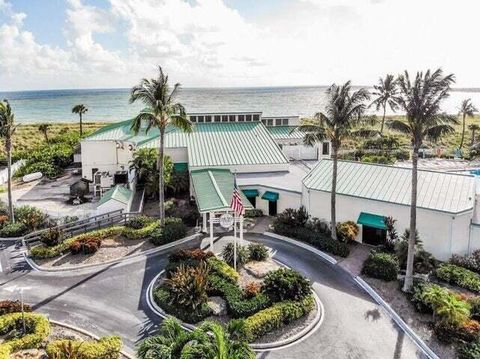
250,192
371,220
271,196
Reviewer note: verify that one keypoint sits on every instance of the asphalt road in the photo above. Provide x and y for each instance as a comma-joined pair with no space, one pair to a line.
112,300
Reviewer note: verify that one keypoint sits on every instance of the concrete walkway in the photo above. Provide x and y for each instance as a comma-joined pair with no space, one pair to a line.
354,262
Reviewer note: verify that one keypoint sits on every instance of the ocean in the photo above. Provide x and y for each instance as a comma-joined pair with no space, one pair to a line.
110,105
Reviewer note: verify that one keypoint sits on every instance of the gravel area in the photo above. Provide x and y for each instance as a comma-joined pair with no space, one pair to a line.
111,249
420,323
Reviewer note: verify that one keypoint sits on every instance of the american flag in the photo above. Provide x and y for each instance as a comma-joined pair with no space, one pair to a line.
236,203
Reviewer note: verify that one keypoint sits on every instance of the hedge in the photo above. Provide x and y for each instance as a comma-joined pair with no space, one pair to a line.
237,305
317,240
223,270
104,348
275,317
381,265
174,230
459,276
41,330
12,230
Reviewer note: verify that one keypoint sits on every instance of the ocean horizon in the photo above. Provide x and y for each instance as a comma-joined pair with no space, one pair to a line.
111,104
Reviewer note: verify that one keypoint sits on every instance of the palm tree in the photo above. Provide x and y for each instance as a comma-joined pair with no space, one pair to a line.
161,110
385,93
342,114
421,100
43,128
474,128
466,109
80,110
7,129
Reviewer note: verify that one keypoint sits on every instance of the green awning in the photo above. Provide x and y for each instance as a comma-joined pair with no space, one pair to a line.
270,196
371,220
180,167
250,192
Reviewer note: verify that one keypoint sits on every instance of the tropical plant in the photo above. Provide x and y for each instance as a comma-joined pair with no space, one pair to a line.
343,113
421,99
43,128
80,110
286,284
392,235
228,254
474,128
161,111
385,93
7,130
466,110
258,252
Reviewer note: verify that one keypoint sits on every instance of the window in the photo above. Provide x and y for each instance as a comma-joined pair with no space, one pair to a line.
285,121
193,118
241,118
200,119
231,118
270,122
216,118
325,148
256,117
249,117
224,118
278,122
208,118
264,122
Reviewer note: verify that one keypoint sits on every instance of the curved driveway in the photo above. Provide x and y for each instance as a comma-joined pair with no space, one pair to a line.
112,299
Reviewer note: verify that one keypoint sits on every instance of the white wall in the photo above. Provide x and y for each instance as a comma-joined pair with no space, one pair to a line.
300,152
105,156
178,154
286,199
442,234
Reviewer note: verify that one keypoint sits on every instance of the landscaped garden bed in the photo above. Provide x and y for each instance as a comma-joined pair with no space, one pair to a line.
43,339
261,303
99,246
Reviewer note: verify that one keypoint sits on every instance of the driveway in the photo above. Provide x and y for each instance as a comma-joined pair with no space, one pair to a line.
112,299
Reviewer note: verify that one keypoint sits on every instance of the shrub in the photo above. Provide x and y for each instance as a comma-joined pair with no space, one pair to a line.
275,317
258,252
188,286
424,262
252,289
162,297
471,262
253,213
87,245
469,351
41,252
222,269
13,230
184,210
319,226
10,306
104,348
228,254
237,305
475,304
286,284
381,265
51,237
30,216
47,169
186,254
174,230
292,217
465,332
347,231
39,330
143,232
139,222
459,276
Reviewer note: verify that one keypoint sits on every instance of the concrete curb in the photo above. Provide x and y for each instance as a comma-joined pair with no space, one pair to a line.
147,253
324,255
396,318
282,344
86,333
370,291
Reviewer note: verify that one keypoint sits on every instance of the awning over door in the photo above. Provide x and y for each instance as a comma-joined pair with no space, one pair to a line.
270,196
250,192
371,220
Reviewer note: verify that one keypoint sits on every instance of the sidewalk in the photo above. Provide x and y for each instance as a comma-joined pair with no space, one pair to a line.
354,262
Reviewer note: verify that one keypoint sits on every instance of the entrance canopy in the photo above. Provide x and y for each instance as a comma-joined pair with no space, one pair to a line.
371,220
250,192
214,189
270,196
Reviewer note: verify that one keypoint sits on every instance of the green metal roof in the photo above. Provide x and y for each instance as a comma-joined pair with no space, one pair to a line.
372,220
119,193
271,196
214,189
285,133
440,191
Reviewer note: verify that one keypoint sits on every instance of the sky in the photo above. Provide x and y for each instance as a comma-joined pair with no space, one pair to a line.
56,44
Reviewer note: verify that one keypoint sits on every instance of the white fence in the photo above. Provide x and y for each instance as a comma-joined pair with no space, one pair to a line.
4,172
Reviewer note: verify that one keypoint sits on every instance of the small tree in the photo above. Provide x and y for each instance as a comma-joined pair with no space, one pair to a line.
385,93
7,130
466,110
43,128
80,110
474,128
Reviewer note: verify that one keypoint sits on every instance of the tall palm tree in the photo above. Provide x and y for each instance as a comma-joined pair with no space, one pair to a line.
466,110
43,128
474,128
385,93
80,110
161,110
343,113
7,129
420,99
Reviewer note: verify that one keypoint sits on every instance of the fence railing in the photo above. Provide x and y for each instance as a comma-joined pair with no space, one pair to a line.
81,226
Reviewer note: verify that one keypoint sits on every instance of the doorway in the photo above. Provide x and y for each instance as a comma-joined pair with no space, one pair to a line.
272,208
373,236
253,201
